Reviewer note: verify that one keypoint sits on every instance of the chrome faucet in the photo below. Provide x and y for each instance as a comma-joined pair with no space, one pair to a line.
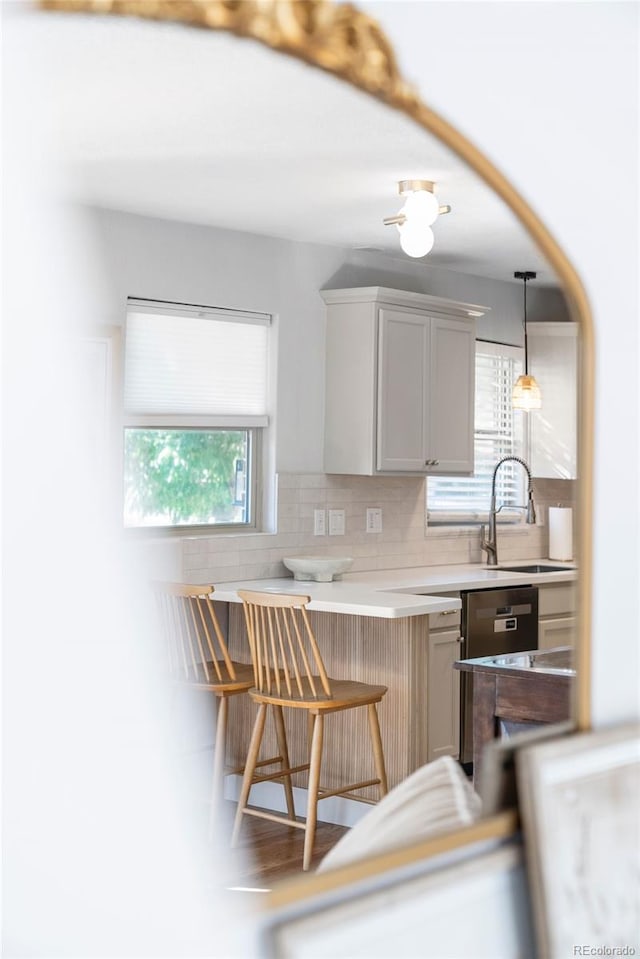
490,543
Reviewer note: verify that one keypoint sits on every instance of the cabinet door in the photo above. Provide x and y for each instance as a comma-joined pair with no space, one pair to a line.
557,632
452,396
443,695
403,370
553,361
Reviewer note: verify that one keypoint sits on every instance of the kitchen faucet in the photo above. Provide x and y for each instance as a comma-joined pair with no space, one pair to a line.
490,542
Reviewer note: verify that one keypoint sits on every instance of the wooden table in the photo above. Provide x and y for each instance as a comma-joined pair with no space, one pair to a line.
535,687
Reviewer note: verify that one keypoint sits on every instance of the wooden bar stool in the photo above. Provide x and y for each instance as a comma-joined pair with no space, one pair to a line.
199,659
289,672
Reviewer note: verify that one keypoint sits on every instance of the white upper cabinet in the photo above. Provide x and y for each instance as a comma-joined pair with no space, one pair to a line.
452,371
402,401
553,360
400,383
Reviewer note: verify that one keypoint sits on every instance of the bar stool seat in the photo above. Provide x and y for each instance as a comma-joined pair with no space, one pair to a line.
344,695
237,680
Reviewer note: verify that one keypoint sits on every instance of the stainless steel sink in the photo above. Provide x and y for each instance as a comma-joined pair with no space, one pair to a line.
536,568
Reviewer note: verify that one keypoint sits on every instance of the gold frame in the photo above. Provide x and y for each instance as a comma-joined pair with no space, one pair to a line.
338,38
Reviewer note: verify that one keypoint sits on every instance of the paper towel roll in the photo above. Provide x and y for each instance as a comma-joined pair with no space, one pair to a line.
560,533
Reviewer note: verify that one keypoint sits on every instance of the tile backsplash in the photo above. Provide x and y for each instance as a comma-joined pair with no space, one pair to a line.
403,542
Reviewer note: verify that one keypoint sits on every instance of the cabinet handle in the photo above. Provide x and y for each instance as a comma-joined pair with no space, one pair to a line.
435,462
449,612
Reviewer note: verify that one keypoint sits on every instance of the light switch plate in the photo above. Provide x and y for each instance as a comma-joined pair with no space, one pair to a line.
319,522
374,520
336,522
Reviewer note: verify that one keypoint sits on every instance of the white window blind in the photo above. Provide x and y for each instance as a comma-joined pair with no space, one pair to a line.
186,361
499,431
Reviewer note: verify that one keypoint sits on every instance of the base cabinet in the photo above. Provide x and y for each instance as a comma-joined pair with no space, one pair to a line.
443,695
557,619
557,632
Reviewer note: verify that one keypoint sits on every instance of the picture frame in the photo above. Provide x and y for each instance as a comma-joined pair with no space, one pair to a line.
497,784
375,919
578,801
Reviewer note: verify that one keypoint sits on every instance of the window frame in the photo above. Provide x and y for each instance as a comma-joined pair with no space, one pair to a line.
512,519
256,427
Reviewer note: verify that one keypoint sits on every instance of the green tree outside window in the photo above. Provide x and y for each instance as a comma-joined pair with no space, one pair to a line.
185,477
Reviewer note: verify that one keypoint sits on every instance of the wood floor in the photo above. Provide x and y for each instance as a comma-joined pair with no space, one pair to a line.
274,851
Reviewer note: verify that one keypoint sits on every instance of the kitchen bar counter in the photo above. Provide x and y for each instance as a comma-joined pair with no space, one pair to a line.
398,628
396,593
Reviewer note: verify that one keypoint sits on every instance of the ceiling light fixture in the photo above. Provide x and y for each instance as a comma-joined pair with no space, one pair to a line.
526,392
414,221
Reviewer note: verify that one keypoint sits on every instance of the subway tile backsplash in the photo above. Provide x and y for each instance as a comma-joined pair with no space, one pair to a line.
403,542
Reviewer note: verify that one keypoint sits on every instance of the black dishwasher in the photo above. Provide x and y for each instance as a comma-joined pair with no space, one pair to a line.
494,621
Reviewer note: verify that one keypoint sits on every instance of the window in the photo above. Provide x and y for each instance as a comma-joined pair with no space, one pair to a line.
499,431
195,402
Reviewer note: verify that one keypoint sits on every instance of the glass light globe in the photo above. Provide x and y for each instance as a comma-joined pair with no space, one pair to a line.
526,394
415,239
421,206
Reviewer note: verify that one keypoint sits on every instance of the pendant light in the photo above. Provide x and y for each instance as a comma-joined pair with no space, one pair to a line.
526,392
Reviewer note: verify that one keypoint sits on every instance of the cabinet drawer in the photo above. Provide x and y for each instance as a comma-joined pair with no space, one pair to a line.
556,600
447,618
557,632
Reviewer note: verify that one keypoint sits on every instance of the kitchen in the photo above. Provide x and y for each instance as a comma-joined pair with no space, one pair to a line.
175,262
302,485
164,259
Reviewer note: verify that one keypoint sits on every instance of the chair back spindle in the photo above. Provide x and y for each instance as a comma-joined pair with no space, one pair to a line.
285,654
196,648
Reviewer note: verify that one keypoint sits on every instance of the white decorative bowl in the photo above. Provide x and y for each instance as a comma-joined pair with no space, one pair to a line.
317,569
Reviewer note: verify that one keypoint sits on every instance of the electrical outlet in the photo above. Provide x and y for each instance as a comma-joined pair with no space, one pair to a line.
319,522
336,522
374,520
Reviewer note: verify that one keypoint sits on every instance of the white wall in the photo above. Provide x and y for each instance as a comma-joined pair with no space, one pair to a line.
549,91
181,262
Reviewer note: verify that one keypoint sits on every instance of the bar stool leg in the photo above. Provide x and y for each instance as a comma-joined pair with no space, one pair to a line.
314,783
378,755
283,749
252,759
310,718
219,752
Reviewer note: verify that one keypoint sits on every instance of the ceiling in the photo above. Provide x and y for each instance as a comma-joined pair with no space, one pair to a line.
189,125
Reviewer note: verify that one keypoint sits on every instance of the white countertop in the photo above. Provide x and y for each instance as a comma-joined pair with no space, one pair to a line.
394,593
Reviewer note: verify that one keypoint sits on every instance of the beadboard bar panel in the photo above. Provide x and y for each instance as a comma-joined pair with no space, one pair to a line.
366,649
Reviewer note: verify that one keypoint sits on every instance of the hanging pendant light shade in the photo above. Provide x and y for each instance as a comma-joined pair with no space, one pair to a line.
526,393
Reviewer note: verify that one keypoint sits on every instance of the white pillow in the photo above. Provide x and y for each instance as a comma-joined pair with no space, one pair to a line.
434,799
